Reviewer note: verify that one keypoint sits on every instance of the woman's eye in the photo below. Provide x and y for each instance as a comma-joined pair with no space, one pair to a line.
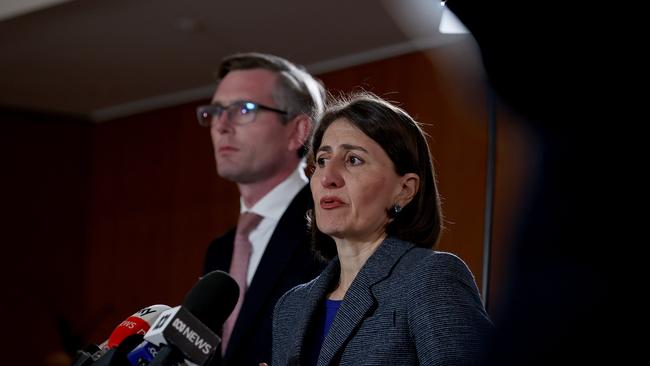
320,162
353,160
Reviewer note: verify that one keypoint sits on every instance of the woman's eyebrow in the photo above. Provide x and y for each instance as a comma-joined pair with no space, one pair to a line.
328,148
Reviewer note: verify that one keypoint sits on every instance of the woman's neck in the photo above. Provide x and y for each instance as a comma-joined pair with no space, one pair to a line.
352,256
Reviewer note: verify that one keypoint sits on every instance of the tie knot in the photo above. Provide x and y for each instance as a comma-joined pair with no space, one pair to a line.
247,222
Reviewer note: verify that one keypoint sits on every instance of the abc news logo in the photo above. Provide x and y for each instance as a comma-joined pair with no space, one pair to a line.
192,336
186,332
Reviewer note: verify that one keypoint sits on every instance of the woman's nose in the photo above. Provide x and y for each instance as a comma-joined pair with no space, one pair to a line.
331,175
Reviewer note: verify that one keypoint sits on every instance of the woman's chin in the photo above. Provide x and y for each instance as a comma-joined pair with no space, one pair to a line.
333,232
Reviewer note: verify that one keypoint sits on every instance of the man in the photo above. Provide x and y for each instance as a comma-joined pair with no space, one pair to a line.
260,118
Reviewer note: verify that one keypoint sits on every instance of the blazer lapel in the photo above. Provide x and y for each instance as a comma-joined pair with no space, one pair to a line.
315,297
359,302
283,242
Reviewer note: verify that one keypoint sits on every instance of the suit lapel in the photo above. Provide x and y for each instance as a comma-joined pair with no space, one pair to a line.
359,301
315,297
277,254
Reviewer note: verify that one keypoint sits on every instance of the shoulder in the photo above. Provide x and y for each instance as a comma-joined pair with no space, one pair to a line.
440,280
298,292
294,217
290,305
218,253
301,201
431,264
436,275
299,297
227,237
445,311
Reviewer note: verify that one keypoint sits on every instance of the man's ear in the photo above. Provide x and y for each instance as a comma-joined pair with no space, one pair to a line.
409,186
300,132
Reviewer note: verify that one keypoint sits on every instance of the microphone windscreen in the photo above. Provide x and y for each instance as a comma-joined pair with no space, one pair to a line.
212,299
138,323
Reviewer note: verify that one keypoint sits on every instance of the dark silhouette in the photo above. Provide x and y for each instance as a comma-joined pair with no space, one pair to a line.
551,64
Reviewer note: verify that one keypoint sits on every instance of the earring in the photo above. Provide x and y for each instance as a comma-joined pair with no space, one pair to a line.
395,209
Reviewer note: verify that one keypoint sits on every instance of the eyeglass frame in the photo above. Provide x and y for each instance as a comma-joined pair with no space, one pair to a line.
244,104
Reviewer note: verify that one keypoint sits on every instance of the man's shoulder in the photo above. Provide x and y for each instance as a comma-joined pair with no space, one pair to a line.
301,201
295,216
227,237
219,252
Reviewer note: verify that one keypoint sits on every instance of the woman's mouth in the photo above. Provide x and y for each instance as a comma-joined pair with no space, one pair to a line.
330,202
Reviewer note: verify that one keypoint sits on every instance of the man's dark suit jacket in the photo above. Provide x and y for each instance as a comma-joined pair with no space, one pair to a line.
287,261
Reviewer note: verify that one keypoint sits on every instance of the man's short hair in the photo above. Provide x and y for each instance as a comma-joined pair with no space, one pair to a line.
297,92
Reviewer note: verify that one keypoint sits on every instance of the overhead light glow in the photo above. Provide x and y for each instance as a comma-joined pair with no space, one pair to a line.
449,23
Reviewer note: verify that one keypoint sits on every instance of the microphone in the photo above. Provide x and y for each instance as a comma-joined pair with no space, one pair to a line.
84,356
143,354
138,323
189,332
118,356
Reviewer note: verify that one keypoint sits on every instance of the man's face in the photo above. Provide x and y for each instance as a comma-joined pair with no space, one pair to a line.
256,151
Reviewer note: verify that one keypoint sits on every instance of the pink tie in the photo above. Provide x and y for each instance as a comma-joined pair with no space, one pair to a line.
239,268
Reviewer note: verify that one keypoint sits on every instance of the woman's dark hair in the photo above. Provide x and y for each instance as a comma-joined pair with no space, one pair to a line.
403,140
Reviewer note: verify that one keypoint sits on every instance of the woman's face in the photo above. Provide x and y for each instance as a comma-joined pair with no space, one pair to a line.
353,184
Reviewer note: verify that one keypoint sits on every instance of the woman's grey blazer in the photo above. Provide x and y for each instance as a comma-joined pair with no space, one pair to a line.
407,306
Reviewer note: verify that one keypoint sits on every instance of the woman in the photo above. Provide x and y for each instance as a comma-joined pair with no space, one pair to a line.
386,297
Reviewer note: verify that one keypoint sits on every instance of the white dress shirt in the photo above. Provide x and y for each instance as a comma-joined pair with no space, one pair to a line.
271,207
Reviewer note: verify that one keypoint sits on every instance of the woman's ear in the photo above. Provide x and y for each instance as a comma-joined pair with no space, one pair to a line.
409,186
300,132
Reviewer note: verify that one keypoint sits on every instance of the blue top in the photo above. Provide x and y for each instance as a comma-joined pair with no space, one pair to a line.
321,328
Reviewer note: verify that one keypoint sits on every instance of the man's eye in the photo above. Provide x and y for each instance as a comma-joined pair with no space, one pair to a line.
320,162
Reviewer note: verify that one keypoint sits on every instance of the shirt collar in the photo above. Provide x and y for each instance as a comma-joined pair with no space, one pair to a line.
274,203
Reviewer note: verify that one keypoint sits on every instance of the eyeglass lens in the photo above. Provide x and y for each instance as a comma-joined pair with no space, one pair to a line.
238,113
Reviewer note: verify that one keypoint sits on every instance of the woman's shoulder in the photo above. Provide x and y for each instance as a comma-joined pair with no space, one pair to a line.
298,292
429,257
298,296
435,276
431,264
290,303
423,256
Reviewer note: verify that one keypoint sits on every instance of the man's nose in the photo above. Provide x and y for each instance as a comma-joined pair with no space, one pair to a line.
221,122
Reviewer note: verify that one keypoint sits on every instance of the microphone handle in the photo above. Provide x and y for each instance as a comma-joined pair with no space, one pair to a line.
82,358
118,356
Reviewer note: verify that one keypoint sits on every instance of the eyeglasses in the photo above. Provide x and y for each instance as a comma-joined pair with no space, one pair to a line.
239,113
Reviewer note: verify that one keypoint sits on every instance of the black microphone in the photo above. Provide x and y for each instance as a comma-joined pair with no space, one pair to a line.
189,332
